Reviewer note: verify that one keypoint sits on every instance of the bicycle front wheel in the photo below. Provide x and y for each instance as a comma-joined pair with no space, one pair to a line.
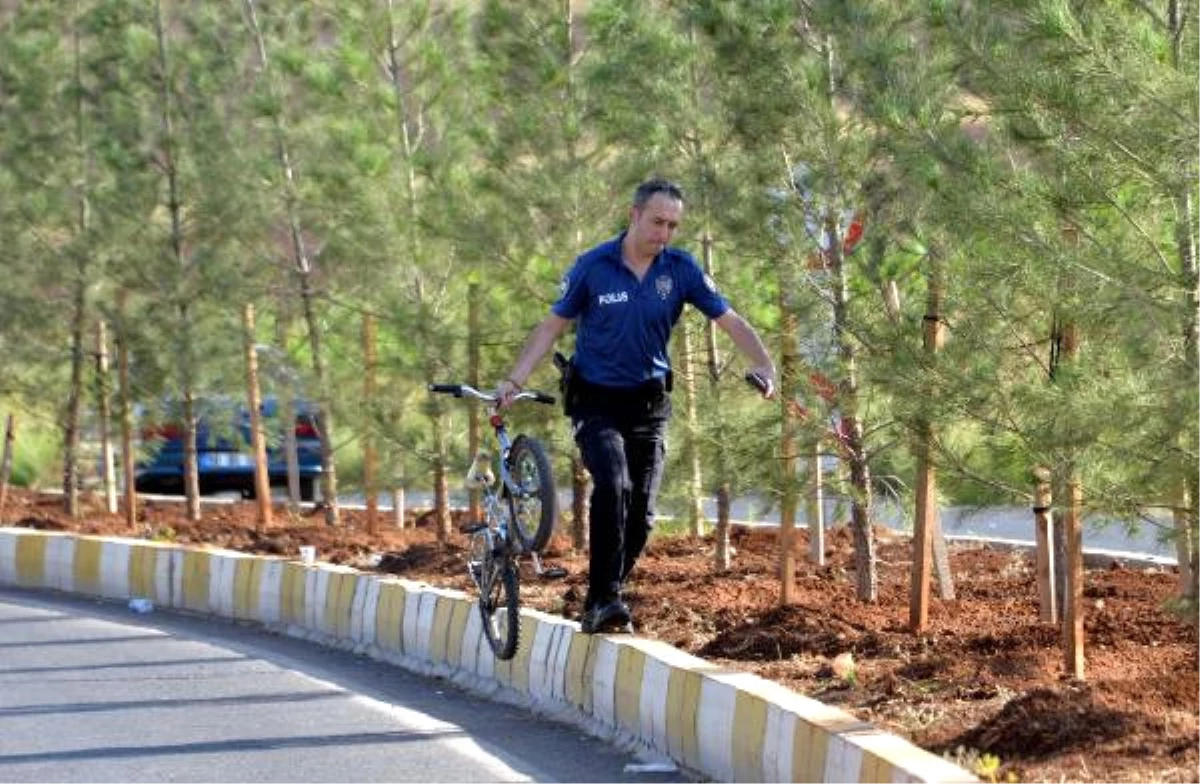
500,606
535,501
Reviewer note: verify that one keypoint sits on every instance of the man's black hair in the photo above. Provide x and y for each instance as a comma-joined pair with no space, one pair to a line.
651,187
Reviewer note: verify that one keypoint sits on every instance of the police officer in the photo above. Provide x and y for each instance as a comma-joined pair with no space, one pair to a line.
627,294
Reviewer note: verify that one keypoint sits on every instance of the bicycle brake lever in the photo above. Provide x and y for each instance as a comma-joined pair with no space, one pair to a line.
757,381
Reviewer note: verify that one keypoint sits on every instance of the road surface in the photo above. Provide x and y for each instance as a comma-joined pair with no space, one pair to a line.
92,692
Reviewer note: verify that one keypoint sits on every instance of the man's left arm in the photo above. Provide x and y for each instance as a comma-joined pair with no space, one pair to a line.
749,343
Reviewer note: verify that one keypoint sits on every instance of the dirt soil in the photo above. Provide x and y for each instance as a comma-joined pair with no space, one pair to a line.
985,686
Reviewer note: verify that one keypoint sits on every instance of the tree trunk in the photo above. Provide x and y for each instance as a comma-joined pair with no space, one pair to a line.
441,484
411,226
78,306
850,430
303,265
287,411
581,491
1187,546
74,393
722,556
474,421
329,489
927,529
789,440
191,474
191,479
850,427
1067,340
691,446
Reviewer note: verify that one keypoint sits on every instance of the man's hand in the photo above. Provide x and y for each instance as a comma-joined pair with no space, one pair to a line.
762,378
750,344
505,391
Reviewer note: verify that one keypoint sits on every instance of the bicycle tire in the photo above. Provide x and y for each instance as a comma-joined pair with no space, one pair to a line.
534,506
500,606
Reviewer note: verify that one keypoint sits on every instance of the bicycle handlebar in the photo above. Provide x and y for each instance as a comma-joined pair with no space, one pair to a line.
466,390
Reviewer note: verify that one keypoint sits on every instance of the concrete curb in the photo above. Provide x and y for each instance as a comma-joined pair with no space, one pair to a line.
640,693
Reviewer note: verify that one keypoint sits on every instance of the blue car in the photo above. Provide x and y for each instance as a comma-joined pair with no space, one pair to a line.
224,460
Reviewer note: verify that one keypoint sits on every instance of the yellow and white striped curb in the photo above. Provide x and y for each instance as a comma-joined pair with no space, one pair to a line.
722,724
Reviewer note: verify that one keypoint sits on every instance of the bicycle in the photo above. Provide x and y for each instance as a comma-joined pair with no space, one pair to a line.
519,505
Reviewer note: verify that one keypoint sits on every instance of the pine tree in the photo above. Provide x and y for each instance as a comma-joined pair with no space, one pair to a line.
548,193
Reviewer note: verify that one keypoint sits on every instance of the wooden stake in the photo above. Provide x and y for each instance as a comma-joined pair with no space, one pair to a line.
1044,525
1073,615
262,480
789,441
816,509
474,415
1185,543
922,542
370,459
398,503
108,469
10,431
126,410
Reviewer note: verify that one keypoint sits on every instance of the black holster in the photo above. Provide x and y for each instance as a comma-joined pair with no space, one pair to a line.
568,382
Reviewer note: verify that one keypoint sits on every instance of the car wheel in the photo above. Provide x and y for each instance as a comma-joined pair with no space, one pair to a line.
308,489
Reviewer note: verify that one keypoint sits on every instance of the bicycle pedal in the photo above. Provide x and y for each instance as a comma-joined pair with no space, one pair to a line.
471,528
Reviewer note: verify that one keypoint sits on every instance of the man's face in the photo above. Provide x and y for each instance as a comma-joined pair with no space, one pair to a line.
653,225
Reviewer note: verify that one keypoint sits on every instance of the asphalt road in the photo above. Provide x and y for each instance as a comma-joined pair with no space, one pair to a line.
92,692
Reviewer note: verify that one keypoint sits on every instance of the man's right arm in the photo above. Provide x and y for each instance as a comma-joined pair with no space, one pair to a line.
537,345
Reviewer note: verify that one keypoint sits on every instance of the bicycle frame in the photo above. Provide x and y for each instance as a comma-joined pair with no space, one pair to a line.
498,513
521,492
496,510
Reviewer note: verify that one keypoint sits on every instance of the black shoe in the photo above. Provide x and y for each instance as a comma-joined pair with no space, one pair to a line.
613,616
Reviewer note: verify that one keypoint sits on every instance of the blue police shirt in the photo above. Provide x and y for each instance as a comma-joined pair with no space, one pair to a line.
624,324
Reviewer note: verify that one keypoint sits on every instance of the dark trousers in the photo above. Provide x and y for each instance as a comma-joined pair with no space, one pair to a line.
622,438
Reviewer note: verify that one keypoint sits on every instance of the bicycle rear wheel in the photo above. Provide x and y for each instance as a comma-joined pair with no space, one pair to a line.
500,606
535,501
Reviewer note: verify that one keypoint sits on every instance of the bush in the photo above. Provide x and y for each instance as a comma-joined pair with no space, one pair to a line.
36,458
